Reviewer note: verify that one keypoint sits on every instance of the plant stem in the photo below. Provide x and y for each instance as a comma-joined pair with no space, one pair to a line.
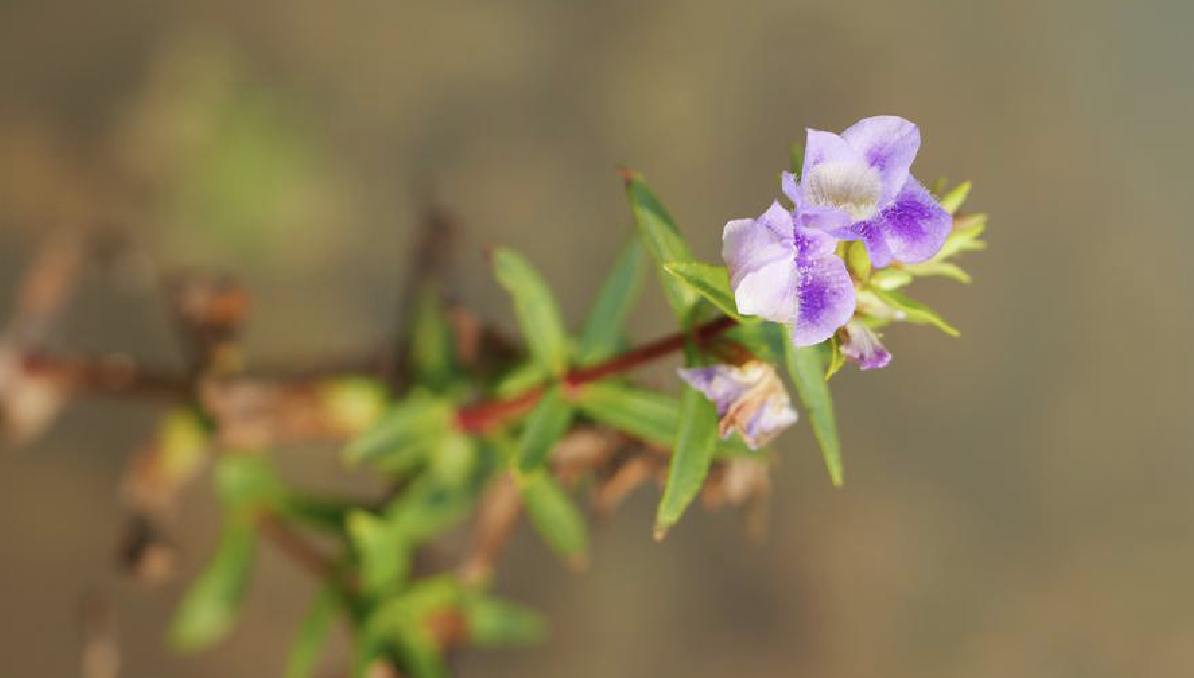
487,415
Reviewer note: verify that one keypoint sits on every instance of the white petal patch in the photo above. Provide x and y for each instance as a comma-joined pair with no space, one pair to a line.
850,186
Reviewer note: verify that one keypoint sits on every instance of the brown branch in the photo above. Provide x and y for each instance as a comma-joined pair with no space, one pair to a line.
298,548
485,416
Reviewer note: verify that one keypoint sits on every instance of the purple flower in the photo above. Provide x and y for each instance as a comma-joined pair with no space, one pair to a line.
862,346
782,268
864,173
750,399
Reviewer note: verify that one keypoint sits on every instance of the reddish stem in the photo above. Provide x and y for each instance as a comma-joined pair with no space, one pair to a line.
487,415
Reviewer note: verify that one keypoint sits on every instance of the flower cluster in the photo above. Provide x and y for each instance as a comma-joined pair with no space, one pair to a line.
788,265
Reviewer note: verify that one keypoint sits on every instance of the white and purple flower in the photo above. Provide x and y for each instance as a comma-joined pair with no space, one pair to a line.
750,399
783,268
862,346
865,174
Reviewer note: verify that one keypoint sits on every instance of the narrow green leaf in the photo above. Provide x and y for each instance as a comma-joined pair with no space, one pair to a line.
890,279
536,309
603,328
796,156
807,369
209,607
965,236
650,416
546,424
663,242
432,347
383,554
498,623
402,435
951,201
942,269
915,312
312,636
711,282
554,516
689,465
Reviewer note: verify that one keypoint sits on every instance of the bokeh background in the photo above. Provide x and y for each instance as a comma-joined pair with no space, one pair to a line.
1018,500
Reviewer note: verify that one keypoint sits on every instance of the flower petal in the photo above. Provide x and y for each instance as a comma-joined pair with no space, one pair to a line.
862,346
826,147
719,383
761,261
825,296
889,143
914,226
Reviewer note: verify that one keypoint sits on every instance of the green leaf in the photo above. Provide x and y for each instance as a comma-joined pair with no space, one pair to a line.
915,312
951,201
312,636
807,369
498,623
711,282
554,516
890,279
536,309
603,328
943,269
646,415
796,156
383,554
402,436
209,607
520,378
689,465
547,423
663,242
965,236
432,346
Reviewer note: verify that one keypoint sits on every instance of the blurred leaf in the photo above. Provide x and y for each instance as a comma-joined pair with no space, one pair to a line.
663,242
354,403
497,623
796,156
402,436
915,312
432,345
401,624
536,309
603,329
312,636
890,279
689,465
384,556
951,201
646,415
965,236
520,378
807,369
765,340
547,423
209,607
711,282
939,268
554,516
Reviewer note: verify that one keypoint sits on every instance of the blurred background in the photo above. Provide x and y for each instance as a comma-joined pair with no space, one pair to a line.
1018,500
